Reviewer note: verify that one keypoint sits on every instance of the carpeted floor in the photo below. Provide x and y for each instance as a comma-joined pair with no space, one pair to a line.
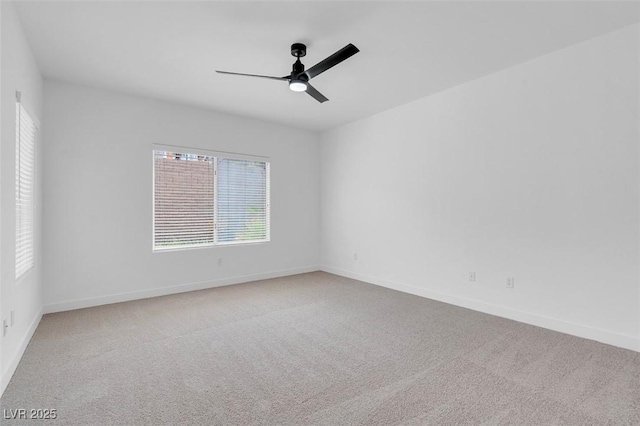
316,349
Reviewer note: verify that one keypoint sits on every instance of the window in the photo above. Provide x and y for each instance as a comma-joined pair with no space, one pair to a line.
25,189
202,200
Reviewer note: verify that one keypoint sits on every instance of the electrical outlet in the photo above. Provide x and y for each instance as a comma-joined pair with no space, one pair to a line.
4,327
355,256
472,276
12,318
511,282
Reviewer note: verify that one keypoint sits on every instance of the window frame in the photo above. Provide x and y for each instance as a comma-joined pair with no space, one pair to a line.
19,275
216,155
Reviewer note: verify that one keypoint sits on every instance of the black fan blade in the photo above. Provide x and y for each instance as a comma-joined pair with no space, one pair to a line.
315,94
254,75
345,53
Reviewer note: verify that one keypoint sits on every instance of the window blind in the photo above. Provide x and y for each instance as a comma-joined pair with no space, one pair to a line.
202,200
183,200
25,190
242,210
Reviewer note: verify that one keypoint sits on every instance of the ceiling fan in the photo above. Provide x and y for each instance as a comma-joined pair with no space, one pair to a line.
299,78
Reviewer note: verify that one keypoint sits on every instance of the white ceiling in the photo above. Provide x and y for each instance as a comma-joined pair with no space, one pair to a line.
408,50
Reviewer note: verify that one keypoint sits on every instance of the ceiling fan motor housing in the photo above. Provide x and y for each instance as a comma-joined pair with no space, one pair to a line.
298,69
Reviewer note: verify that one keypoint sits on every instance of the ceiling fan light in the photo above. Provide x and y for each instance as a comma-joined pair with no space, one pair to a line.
298,85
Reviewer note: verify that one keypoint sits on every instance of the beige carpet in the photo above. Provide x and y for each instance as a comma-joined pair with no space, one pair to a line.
316,349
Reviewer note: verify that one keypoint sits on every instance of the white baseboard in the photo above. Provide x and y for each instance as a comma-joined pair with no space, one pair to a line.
17,355
163,291
603,336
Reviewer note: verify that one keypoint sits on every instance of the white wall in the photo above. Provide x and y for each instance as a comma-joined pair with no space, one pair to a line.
98,218
19,73
531,172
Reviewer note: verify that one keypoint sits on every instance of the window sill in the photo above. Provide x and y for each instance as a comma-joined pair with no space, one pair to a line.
208,246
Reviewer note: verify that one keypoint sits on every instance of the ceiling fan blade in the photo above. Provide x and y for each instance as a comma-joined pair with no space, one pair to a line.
345,53
315,94
253,75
